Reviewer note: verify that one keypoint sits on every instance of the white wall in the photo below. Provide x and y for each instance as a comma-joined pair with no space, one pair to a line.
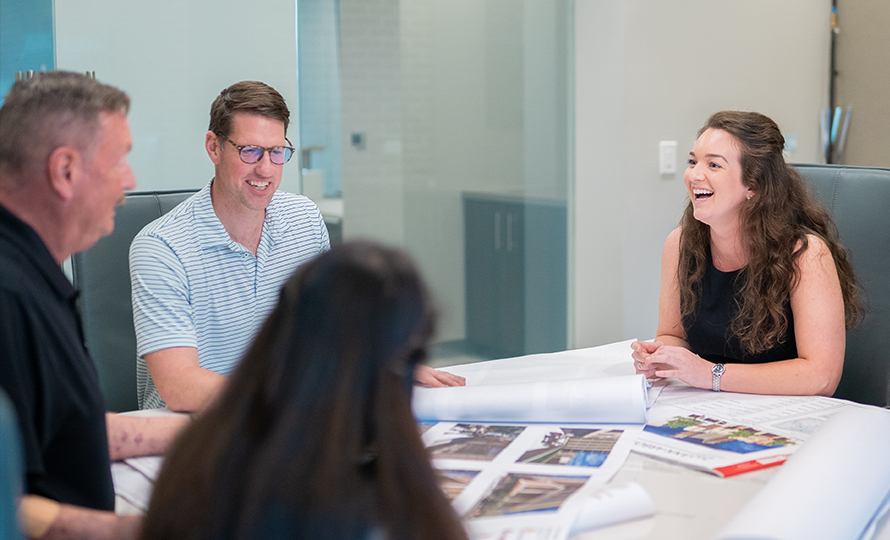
174,58
647,71
863,78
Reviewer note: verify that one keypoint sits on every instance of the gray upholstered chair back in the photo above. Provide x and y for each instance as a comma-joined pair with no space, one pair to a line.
12,473
102,274
858,199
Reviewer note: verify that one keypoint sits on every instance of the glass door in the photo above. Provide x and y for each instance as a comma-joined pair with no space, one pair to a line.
442,126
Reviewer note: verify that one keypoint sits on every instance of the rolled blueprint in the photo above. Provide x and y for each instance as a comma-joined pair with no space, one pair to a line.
619,400
830,488
611,505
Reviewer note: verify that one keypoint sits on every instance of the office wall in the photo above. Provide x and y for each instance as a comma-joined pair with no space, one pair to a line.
863,79
174,58
649,71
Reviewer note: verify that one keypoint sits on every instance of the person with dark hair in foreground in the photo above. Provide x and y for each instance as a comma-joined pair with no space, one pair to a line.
313,437
756,290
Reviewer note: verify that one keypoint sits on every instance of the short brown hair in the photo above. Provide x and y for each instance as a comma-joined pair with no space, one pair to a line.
251,97
49,110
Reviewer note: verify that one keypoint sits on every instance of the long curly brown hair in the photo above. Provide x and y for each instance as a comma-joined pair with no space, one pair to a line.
774,222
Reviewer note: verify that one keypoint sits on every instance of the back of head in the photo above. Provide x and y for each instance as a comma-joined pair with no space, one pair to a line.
251,97
49,110
315,430
356,314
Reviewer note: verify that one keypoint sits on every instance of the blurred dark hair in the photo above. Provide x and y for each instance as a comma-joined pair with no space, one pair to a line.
49,110
778,218
252,97
314,436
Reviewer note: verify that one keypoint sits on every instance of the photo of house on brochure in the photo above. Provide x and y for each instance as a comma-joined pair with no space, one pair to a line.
519,481
453,482
516,493
474,441
728,434
720,435
573,447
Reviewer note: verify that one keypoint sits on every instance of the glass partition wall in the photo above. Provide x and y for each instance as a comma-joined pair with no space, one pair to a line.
453,141
441,126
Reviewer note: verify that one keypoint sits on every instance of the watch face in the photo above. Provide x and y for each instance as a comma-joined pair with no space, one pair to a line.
718,369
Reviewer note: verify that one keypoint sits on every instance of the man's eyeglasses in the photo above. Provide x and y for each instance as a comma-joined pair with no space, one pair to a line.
279,155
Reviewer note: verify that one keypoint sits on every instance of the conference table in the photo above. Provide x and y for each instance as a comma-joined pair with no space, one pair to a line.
689,504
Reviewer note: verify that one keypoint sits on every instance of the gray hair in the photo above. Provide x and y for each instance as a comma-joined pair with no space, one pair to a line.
50,110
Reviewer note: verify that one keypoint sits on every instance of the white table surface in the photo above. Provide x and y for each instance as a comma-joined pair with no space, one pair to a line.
689,504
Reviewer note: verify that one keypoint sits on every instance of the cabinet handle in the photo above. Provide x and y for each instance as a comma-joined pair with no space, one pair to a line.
497,231
509,232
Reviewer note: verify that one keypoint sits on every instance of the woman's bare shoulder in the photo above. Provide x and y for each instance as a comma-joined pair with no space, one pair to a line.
673,239
816,254
816,247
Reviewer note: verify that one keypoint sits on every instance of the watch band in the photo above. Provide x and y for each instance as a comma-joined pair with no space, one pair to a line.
717,371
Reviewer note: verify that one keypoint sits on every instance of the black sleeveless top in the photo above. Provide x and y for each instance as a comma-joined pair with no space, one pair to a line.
708,327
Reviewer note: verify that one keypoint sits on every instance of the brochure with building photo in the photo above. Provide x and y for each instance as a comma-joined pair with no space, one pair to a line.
592,509
728,434
518,480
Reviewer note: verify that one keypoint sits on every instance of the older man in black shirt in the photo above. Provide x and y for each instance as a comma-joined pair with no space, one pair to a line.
64,140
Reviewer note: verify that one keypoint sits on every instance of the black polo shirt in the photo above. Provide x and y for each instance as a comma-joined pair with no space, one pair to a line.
48,374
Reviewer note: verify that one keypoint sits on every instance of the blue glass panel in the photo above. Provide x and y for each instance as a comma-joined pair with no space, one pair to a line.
26,39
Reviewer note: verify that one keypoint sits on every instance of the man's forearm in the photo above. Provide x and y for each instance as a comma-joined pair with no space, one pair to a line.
183,384
131,436
45,519
194,391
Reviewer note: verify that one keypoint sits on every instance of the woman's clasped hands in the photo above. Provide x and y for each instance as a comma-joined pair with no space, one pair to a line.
655,359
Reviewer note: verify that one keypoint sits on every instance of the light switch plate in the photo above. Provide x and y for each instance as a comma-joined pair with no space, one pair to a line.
667,157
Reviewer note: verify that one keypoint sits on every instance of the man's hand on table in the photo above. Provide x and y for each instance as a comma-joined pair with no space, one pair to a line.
432,377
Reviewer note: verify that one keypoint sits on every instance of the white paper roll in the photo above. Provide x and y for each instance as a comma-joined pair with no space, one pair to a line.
620,400
828,489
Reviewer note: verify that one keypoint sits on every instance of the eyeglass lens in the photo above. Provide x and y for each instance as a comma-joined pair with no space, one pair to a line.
279,155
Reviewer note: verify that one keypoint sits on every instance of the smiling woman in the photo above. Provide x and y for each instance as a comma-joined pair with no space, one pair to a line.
716,189
756,291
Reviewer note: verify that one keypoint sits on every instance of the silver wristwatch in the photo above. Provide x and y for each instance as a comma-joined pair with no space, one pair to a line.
717,372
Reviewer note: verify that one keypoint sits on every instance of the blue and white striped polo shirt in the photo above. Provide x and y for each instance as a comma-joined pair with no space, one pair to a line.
193,286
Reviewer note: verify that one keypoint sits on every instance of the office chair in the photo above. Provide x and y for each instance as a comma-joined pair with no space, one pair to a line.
857,198
102,274
11,469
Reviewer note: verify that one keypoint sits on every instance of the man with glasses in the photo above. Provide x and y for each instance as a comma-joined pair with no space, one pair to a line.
206,275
